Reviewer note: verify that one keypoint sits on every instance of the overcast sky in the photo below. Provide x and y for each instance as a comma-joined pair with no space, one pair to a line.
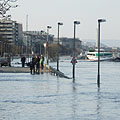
49,12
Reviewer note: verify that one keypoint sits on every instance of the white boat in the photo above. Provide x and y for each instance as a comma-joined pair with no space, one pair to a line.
93,56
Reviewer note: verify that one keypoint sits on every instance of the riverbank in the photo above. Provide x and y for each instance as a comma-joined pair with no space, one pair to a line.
21,69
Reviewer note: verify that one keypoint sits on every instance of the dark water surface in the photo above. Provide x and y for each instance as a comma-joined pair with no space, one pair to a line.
47,97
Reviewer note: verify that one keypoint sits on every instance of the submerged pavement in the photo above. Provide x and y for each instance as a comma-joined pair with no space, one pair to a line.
20,69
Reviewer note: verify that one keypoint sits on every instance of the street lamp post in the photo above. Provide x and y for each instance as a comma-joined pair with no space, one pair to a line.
74,60
48,27
59,23
41,32
45,45
98,77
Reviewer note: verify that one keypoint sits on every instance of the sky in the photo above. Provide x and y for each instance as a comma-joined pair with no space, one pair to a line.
49,12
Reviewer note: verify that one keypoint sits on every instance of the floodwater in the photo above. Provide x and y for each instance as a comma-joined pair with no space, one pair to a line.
47,97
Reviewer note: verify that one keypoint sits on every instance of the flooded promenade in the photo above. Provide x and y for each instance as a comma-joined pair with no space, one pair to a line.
20,69
47,97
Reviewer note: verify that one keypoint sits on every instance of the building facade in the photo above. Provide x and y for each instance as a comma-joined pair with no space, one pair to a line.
34,40
11,31
69,43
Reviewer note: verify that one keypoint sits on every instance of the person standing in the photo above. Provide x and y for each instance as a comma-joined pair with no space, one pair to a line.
33,64
42,62
38,64
23,59
9,61
31,67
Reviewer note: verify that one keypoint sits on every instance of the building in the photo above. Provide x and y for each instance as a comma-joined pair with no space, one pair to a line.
69,43
11,31
34,40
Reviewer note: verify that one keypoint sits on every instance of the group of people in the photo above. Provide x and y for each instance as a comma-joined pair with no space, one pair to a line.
36,63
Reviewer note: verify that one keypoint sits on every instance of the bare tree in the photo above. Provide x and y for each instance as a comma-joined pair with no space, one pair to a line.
6,5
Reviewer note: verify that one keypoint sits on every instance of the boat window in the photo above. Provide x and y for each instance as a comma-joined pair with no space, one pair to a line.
91,54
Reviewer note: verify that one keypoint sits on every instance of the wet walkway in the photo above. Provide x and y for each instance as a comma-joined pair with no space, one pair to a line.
20,69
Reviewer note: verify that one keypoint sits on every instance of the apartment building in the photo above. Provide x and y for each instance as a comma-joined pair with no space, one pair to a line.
11,31
36,40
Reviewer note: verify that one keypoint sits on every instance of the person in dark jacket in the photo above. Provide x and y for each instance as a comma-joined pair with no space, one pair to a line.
32,65
38,64
23,59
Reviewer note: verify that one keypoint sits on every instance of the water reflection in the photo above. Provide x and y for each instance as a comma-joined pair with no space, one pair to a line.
99,105
58,84
74,101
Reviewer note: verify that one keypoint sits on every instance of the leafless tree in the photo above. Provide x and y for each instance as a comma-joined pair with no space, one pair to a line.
6,5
